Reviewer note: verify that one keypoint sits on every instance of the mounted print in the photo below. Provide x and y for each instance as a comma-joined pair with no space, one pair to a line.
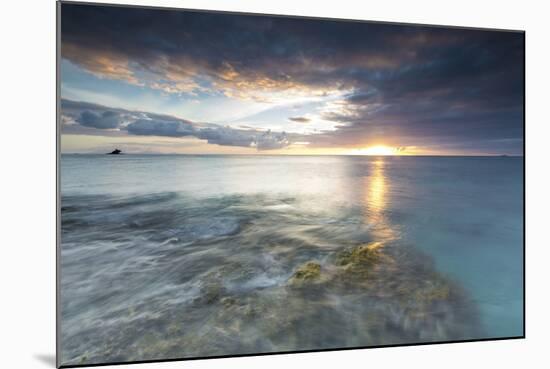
242,184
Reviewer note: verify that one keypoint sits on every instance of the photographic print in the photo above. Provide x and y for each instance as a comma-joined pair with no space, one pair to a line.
239,184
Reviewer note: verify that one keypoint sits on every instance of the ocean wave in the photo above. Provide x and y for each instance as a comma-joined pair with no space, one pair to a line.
168,275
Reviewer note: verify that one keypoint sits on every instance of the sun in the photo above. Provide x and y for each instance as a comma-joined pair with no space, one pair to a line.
377,150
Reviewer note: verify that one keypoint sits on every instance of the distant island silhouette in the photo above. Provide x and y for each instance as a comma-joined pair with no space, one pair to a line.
115,152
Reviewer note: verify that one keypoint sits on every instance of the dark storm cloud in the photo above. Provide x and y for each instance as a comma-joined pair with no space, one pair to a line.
80,117
410,84
173,50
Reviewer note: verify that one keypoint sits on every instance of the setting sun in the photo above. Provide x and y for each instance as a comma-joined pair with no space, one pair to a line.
376,150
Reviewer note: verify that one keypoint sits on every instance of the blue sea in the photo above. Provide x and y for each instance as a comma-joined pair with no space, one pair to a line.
179,256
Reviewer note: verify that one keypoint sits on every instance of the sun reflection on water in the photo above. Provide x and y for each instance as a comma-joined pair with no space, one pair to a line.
376,184
376,202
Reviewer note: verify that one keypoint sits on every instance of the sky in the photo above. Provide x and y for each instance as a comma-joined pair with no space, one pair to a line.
162,81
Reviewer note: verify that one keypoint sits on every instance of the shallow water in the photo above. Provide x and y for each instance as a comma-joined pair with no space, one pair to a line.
184,256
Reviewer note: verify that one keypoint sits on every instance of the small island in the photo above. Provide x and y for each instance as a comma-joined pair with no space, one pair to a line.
115,152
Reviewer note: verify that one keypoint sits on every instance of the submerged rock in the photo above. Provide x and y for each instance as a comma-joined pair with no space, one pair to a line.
212,290
370,294
364,254
362,264
306,273
434,291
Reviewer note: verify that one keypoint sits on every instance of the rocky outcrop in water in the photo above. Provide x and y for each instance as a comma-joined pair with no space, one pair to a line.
307,273
370,294
364,295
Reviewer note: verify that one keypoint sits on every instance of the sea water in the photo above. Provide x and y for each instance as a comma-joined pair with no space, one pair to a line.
176,256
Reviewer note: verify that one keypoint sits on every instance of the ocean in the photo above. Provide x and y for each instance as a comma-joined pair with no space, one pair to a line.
180,256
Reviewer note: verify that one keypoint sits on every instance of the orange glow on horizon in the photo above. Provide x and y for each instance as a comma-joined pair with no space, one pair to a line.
377,150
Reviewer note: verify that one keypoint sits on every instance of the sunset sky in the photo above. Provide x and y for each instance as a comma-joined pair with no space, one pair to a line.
158,81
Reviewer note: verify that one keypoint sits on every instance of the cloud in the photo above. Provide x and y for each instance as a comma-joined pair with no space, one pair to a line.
151,127
227,136
411,85
108,64
299,119
80,117
106,120
246,57
271,141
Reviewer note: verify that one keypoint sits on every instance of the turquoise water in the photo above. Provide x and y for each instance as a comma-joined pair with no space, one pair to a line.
187,256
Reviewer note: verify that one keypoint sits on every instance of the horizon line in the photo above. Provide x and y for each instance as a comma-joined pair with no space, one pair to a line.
233,154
